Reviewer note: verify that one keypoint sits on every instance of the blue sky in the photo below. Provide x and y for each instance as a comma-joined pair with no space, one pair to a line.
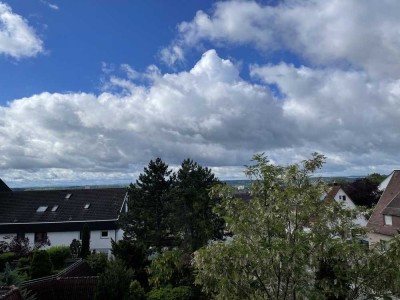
90,91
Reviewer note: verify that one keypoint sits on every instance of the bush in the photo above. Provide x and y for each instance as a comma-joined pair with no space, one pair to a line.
6,258
171,293
98,262
75,248
114,282
41,264
58,255
136,292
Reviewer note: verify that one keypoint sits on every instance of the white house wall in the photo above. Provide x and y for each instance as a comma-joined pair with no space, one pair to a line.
97,242
348,203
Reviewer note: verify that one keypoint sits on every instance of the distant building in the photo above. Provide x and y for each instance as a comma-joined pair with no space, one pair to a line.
339,195
59,215
384,222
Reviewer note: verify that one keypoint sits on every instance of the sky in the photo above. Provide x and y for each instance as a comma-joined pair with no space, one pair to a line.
91,91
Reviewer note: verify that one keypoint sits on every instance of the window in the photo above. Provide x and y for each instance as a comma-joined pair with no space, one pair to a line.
87,205
40,237
20,236
388,220
55,207
104,234
68,196
41,209
343,198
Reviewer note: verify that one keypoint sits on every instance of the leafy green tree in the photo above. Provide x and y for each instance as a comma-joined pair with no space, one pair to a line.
85,250
146,220
170,267
376,178
41,264
58,255
192,215
114,283
287,243
136,292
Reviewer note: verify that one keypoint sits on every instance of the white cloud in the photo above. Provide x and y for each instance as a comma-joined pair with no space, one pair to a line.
364,34
208,113
17,38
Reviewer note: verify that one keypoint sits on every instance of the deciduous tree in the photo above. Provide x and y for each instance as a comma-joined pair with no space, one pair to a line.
287,243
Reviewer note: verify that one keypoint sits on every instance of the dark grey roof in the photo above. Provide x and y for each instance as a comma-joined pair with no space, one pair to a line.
21,206
4,187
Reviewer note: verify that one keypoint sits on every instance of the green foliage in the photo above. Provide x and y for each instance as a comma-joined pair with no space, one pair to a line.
192,215
170,267
376,178
58,255
41,264
75,248
114,283
287,243
136,292
131,252
85,250
171,293
363,191
146,220
6,258
10,277
98,262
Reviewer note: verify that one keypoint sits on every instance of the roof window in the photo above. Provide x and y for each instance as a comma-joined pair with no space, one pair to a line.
42,209
87,205
55,207
68,196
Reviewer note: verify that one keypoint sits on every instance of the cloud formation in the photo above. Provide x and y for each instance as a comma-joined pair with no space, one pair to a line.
208,113
17,38
362,34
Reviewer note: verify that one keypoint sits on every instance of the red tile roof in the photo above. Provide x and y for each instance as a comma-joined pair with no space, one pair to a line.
387,203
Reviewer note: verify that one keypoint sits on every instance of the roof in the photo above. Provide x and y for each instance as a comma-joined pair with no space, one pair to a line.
19,208
389,203
332,192
4,187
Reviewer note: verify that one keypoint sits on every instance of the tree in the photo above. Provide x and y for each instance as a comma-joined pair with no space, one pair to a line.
363,191
41,264
85,250
146,220
287,243
192,215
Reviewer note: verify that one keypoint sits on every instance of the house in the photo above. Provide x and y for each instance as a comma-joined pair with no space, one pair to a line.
59,215
337,193
384,222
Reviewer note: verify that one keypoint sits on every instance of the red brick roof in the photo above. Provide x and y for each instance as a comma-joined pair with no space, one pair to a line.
376,221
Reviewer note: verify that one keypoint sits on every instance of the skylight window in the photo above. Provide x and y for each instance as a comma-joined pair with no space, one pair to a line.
42,209
87,205
68,196
55,207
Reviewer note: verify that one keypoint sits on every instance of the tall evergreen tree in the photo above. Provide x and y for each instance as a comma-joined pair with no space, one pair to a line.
146,220
85,250
192,216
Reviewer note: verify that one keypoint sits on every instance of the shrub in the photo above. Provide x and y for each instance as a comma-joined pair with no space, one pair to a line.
136,292
75,248
98,262
58,255
41,264
171,293
6,258
114,282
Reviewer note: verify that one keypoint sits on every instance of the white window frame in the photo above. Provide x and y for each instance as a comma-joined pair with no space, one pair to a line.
41,209
388,220
104,237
